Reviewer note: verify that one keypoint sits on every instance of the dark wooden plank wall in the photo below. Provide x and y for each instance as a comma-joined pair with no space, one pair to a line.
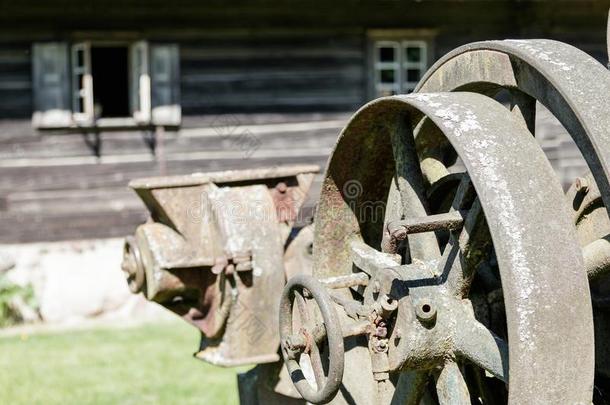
253,73
269,72
274,55
249,57
54,187
15,80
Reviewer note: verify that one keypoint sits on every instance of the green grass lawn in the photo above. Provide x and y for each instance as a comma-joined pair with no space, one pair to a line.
150,364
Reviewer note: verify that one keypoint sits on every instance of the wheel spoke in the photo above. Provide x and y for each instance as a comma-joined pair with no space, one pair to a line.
410,185
316,365
482,347
431,149
465,253
302,309
464,194
410,388
370,260
451,387
490,390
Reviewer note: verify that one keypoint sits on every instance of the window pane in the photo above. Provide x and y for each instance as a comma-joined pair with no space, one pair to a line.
79,81
413,75
387,54
388,76
80,58
413,53
81,104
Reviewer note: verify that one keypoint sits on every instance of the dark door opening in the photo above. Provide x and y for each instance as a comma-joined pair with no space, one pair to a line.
109,70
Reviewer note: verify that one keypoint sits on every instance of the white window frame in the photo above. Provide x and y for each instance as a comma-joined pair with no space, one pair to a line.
63,91
140,83
84,89
421,65
139,94
399,40
380,66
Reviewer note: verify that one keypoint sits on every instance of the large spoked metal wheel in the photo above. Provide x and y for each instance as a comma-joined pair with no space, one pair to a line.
484,265
316,330
574,87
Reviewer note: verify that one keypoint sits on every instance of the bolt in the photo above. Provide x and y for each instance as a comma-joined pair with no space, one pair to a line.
381,331
582,185
294,342
220,263
387,306
425,311
292,346
397,230
388,303
281,187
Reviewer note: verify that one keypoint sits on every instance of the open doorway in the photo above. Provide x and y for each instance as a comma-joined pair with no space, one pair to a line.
110,74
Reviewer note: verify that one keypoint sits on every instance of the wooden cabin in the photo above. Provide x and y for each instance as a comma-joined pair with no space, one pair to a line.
94,93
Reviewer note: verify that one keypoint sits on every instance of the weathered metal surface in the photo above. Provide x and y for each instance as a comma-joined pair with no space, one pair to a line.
214,250
451,387
565,79
521,210
574,87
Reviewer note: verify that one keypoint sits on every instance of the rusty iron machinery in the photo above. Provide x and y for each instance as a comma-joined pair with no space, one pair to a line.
216,251
449,266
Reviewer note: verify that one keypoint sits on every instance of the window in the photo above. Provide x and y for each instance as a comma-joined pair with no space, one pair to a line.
82,84
399,59
106,83
110,76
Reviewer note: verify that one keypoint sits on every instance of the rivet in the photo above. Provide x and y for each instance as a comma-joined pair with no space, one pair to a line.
281,187
582,185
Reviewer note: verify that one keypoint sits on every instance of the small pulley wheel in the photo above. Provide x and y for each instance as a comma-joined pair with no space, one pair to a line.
307,336
132,265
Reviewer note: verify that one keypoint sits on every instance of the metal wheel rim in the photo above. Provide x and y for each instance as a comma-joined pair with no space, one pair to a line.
528,378
563,78
333,334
